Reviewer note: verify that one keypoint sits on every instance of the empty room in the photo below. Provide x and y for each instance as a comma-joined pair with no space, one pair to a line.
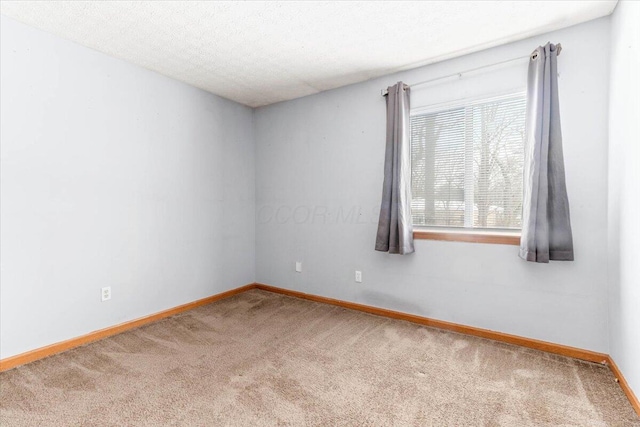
323,213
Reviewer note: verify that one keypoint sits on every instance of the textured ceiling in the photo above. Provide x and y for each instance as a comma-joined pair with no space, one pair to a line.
258,53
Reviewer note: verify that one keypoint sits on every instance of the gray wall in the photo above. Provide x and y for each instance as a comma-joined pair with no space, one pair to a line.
318,187
624,191
113,175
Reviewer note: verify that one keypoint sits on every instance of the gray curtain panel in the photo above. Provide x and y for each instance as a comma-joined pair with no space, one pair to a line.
395,229
546,227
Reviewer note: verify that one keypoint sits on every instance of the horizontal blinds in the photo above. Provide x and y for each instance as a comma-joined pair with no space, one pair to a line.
467,165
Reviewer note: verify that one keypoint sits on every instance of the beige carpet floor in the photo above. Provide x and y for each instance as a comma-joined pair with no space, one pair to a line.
262,359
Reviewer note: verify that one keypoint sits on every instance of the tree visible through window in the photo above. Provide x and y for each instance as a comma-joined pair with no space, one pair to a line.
467,165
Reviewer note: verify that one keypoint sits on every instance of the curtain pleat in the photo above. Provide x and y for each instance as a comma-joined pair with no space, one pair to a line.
395,229
546,225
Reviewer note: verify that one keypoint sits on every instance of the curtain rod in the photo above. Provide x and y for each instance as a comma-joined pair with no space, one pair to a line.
384,92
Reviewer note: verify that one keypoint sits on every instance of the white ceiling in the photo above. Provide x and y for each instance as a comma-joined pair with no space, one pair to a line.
258,53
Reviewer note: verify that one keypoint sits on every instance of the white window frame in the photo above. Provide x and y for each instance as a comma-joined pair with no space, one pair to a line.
468,233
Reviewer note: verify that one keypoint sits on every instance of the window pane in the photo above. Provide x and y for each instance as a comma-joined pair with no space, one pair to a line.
467,165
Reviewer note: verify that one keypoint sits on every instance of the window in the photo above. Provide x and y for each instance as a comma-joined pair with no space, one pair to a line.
467,164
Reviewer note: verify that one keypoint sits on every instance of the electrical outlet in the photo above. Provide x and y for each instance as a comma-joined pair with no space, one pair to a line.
106,293
358,276
298,266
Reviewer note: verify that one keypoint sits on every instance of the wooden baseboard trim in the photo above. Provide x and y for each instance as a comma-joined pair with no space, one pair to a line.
576,353
50,350
633,399
563,350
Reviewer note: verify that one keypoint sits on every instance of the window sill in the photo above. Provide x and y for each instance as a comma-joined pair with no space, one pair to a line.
494,237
